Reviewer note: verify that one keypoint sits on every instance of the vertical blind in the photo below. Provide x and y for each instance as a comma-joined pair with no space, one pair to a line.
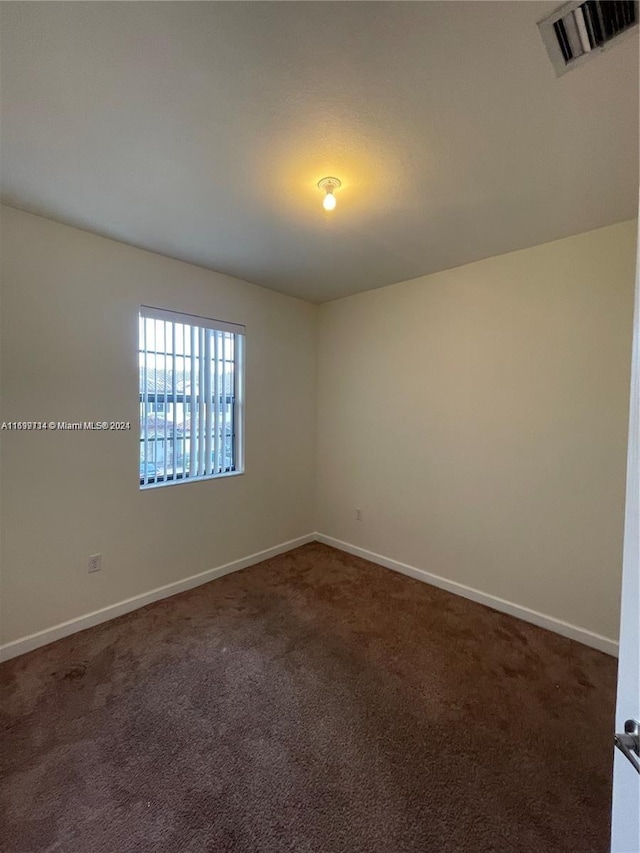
190,372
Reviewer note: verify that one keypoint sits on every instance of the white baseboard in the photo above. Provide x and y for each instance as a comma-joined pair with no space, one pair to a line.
582,635
64,629
57,632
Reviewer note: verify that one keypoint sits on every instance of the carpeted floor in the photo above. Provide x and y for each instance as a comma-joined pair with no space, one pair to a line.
314,702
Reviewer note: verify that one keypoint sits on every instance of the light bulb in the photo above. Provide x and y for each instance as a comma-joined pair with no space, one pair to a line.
328,185
329,201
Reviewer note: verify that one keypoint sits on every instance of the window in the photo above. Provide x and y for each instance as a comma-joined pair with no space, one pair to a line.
190,397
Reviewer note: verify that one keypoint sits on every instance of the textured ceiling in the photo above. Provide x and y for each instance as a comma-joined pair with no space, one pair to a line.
200,130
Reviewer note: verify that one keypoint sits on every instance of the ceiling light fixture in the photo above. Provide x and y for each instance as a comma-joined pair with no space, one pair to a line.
329,185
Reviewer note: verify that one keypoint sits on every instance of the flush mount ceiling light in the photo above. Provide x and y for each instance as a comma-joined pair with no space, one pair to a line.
329,185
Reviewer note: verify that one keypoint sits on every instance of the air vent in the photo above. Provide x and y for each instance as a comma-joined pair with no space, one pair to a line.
578,30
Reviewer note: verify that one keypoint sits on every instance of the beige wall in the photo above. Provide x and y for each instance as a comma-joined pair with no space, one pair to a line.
478,417
69,337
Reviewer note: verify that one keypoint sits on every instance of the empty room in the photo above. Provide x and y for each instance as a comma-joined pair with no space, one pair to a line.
319,427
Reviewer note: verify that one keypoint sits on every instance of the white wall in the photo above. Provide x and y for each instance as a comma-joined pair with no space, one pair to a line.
69,337
478,417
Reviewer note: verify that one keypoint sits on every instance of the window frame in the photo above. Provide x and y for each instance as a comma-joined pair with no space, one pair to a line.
167,398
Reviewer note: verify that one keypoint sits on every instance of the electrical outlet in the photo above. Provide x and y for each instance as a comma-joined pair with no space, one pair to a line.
358,514
95,562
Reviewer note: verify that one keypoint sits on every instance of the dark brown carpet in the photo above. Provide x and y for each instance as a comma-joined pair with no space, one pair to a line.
314,702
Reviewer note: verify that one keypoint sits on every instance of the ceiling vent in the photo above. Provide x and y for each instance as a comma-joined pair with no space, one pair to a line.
578,30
